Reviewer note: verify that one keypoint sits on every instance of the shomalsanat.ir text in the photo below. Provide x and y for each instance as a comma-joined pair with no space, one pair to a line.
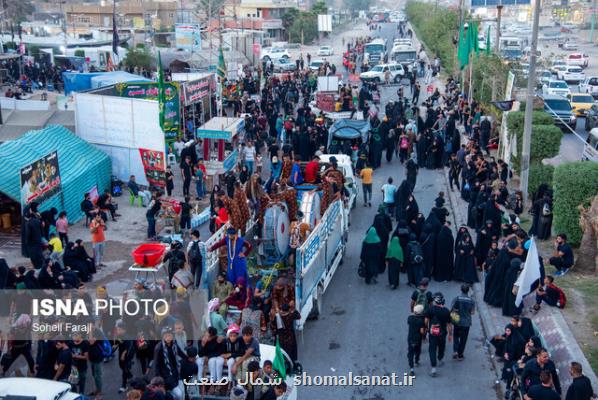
351,379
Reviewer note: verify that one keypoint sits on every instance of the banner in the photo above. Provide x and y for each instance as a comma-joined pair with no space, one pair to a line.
154,167
196,90
187,36
150,91
40,180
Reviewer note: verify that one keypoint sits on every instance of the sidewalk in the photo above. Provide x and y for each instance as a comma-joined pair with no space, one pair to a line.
556,334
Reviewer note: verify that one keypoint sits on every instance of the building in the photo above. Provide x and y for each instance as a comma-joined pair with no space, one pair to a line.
161,15
269,14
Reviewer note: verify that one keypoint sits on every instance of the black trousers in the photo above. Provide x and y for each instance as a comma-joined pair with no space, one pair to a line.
125,367
558,263
460,335
455,179
15,352
436,348
413,352
186,184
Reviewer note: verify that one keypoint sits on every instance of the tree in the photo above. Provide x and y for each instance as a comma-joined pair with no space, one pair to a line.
18,10
138,58
211,6
319,8
587,256
288,19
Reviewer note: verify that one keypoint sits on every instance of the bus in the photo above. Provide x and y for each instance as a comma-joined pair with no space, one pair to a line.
375,52
404,55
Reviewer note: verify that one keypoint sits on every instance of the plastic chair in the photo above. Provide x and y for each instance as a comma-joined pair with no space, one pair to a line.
132,199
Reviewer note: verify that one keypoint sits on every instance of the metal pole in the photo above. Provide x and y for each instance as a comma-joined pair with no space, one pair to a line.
529,105
593,23
498,20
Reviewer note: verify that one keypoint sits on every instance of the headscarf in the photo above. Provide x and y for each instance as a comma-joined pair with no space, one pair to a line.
394,250
213,305
371,236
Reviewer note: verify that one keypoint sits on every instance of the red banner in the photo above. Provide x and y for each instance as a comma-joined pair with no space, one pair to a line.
325,101
154,166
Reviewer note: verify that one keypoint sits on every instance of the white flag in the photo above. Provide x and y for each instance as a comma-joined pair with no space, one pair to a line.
530,273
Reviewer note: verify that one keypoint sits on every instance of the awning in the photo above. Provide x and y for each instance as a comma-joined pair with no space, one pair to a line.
349,129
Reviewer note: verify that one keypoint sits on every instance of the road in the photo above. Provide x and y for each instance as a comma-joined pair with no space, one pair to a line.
363,327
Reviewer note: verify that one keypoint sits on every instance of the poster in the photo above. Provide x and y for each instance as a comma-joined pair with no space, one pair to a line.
154,166
149,91
196,90
325,101
40,180
187,36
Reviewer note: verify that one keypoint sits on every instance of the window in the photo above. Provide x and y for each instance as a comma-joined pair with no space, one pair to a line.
593,82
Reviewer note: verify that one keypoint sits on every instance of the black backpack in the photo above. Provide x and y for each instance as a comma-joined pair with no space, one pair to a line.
416,254
194,254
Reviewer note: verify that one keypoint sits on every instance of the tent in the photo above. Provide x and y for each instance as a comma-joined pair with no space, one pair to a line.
82,167
349,129
111,78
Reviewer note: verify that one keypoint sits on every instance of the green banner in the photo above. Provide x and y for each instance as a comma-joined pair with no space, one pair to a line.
150,91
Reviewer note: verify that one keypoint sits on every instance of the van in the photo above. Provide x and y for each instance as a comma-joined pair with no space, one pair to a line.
590,148
36,389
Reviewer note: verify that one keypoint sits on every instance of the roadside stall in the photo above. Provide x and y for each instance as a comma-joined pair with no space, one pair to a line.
197,90
346,135
221,136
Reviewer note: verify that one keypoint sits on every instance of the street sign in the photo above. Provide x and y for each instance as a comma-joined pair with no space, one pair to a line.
324,23
494,3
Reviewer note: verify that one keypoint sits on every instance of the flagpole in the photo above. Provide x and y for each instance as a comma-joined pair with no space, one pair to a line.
470,92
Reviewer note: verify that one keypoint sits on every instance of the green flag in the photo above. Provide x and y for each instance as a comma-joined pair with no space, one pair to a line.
278,363
161,91
488,49
221,70
474,37
463,49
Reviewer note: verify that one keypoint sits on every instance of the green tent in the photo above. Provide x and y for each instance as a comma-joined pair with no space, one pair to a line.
82,166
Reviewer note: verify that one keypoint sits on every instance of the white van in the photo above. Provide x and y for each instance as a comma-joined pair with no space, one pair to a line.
37,389
590,148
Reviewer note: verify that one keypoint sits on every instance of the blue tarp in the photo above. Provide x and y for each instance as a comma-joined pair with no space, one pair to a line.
77,82
82,166
349,129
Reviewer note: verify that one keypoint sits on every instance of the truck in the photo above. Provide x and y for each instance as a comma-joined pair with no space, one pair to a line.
101,58
511,48
405,55
375,52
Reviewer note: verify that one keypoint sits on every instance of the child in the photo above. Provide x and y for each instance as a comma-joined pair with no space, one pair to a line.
259,164
55,244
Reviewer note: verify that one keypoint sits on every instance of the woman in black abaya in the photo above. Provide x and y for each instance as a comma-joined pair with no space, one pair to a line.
508,304
465,269
514,346
428,242
412,209
417,225
434,223
371,255
484,239
433,151
444,255
421,148
401,198
545,219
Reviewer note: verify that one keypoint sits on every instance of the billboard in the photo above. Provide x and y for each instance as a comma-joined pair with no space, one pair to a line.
149,91
154,167
325,23
187,36
40,180
494,3
196,90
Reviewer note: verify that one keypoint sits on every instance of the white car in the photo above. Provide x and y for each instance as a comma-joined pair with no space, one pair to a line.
315,65
556,63
578,59
36,388
589,86
377,74
556,87
274,53
284,65
325,51
571,74
570,45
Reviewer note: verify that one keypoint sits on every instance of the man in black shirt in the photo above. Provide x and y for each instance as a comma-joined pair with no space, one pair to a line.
80,354
96,358
105,203
581,387
544,390
562,257
438,320
417,331
534,367
64,362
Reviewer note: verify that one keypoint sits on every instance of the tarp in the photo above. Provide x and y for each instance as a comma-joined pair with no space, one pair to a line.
78,82
349,129
82,166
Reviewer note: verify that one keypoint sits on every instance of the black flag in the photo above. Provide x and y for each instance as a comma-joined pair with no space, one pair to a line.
115,40
503,105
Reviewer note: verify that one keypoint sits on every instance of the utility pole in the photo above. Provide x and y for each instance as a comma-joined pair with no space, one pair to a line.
593,21
498,20
529,105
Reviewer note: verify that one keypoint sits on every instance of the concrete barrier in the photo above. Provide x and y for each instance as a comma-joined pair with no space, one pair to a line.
8,103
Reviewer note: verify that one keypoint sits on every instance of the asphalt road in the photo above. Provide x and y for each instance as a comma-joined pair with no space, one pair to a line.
363,327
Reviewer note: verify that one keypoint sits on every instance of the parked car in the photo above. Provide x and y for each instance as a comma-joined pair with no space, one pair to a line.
556,63
274,53
589,85
36,389
544,77
560,110
571,74
325,51
556,87
284,65
580,103
592,118
315,65
377,73
578,59
570,45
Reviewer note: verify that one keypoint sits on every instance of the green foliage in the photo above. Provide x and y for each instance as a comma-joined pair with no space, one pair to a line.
436,28
140,46
303,23
539,174
138,58
33,50
574,184
488,70
356,5
79,53
516,119
10,45
546,142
